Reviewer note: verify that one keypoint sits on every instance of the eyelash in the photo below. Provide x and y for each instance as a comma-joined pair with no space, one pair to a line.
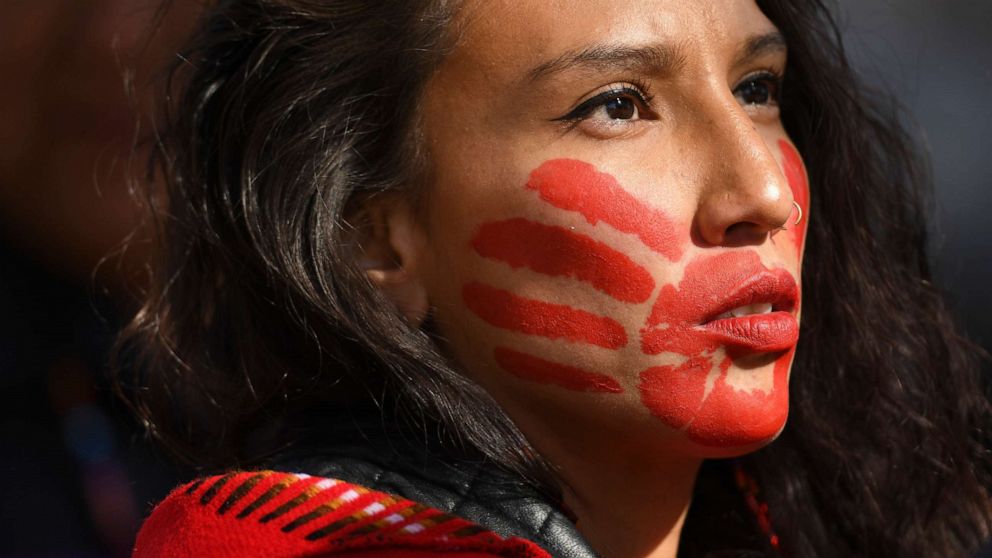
767,76
637,90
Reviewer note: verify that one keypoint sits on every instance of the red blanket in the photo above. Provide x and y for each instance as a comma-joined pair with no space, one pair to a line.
274,515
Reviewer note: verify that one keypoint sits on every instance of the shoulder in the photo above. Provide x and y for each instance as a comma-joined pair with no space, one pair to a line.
278,514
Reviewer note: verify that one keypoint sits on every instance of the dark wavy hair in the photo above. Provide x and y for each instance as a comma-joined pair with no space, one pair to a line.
283,113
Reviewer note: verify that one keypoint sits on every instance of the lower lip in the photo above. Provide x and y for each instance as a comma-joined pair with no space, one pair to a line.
775,331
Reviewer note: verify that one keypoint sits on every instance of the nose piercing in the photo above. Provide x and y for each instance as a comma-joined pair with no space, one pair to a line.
799,219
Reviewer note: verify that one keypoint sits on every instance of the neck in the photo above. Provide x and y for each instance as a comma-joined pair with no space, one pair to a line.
629,484
626,509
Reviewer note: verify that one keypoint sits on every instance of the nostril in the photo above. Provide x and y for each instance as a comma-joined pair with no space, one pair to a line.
736,228
744,233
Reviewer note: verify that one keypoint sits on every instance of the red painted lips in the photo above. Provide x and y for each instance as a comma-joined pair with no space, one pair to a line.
777,330
687,319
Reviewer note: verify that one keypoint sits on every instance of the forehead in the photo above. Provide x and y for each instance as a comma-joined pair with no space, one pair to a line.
502,36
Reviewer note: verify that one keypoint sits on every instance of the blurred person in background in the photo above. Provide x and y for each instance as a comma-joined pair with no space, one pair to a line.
75,479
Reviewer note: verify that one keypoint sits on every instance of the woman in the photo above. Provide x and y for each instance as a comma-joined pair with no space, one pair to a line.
534,268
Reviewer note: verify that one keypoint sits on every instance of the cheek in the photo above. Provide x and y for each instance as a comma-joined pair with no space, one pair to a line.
795,174
512,312
577,186
558,287
559,295
556,251
698,398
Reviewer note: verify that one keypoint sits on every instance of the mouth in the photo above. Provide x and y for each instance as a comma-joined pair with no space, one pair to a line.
758,315
726,300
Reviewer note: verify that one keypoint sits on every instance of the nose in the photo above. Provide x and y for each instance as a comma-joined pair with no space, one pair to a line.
744,196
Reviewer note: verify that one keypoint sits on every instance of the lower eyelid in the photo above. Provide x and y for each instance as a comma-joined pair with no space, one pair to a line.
617,129
763,113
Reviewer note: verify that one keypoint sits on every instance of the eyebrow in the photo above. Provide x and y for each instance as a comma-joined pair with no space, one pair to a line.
760,45
654,59
658,59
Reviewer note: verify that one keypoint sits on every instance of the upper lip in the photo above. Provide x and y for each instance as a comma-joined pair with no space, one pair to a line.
691,321
775,286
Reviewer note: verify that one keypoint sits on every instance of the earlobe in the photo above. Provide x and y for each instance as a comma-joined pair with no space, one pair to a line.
391,253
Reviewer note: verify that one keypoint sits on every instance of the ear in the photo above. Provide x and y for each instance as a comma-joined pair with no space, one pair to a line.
391,252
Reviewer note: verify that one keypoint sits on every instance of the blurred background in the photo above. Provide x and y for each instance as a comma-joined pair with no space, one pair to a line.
936,56
76,476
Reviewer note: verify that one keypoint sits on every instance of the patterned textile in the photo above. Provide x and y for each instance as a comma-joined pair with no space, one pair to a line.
273,514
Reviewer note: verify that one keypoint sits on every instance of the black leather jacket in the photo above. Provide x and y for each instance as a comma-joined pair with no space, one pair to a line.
475,491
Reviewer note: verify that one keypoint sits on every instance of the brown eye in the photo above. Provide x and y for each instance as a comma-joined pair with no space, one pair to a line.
761,89
617,104
620,108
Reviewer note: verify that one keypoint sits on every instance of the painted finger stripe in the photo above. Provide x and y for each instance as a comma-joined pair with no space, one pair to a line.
577,186
558,251
542,371
795,173
506,310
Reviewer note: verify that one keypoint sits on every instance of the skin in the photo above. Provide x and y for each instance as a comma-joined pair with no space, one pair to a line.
574,335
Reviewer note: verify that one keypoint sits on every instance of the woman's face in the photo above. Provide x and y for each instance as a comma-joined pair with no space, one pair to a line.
604,245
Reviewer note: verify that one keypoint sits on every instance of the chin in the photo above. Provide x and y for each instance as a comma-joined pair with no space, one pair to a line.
734,441
722,411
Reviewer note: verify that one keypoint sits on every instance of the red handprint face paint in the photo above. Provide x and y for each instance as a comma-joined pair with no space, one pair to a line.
539,370
558,251
694,316
727,304
694,319
572,187
795,174
577,186
544,319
